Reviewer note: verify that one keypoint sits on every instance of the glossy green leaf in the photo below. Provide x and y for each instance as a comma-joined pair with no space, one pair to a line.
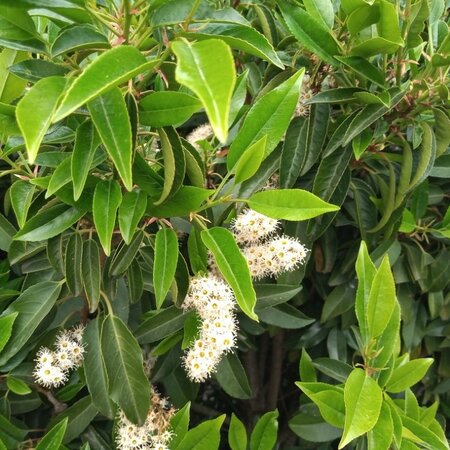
49,222
73,261
95,370
11,87
269,116
310,32
54,438
408,374
16,24
32,305
233,266
381,301
60,177
195,167
289,204
35,69
131,211
249,162
165,108
363,399
78,37
422,435
381,435
107,199
207,68
364,68
264,435
442,131
285,316
35,111
306,368
232,377
237,435
106,71
17,386
128,384
21,194
269,295
86,142
313,428
322,9
90,270
374,46
125,255
179,424
110,116
166,257
6,325
205,436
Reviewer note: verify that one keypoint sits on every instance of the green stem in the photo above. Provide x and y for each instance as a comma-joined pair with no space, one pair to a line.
191,14
127,22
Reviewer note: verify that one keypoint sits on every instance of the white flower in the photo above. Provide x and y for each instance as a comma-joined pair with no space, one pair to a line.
44,356
302,108
49,375
251,227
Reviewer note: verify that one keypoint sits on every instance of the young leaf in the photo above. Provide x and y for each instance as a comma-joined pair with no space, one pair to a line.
110,116
237,435
131,211
120,64
363,399
128,385
306,368
264,435
207,68
35,111
381,435
408,374
107,199
249,162
233,266
205,436
54,438
289,204
17,386
90,270
21,194
6,324
165,265
269,116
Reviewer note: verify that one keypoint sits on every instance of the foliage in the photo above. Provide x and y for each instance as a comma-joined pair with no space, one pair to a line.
136,136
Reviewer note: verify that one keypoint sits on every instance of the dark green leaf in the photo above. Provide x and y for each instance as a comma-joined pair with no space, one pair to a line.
232,377
90,269
131,211
73,260
21,194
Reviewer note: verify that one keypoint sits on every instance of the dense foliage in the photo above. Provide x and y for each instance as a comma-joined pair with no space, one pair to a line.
236,208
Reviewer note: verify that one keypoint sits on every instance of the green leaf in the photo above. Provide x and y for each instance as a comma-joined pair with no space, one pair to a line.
313,428
21,194
125,255
11,87
364,68
381,301
174,163
165,265
54,438
179,424
264,435
232,377
322,9
6,325
408,224
49,222
35,69
442,131
285,316
128,384
86,142
363,399
60,177
381,435
32,305
205,436
110,116
233,266
273,294
73,260
306,368
207,68
269,116
248,164
422,435
91,276
35,111
95,370
107,199
195,167
131,211
165,108
237,435
310,32
374,46
289,204
408,374
78,37
106,71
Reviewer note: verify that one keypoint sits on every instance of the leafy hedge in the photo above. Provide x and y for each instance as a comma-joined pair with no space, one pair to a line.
238,209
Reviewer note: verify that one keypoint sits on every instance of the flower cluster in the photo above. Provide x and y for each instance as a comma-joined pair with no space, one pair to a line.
52,367
267,254
155,434
302,108
214,302
200,133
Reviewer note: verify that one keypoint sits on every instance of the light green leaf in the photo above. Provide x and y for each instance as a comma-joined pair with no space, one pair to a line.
237,435
422,435
264,435
269,116
106,71
381,435
207,68
6,324
381,301
11,87
131,211
32,305
289,204
179,424
21,194
107,199
165,265
165,108
322,9
232,377
128,385
306,368
91,275
233,266
363,399
250,160
35,111
205,436
17,386
110,116
54,438
408,224
60,177
408,374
